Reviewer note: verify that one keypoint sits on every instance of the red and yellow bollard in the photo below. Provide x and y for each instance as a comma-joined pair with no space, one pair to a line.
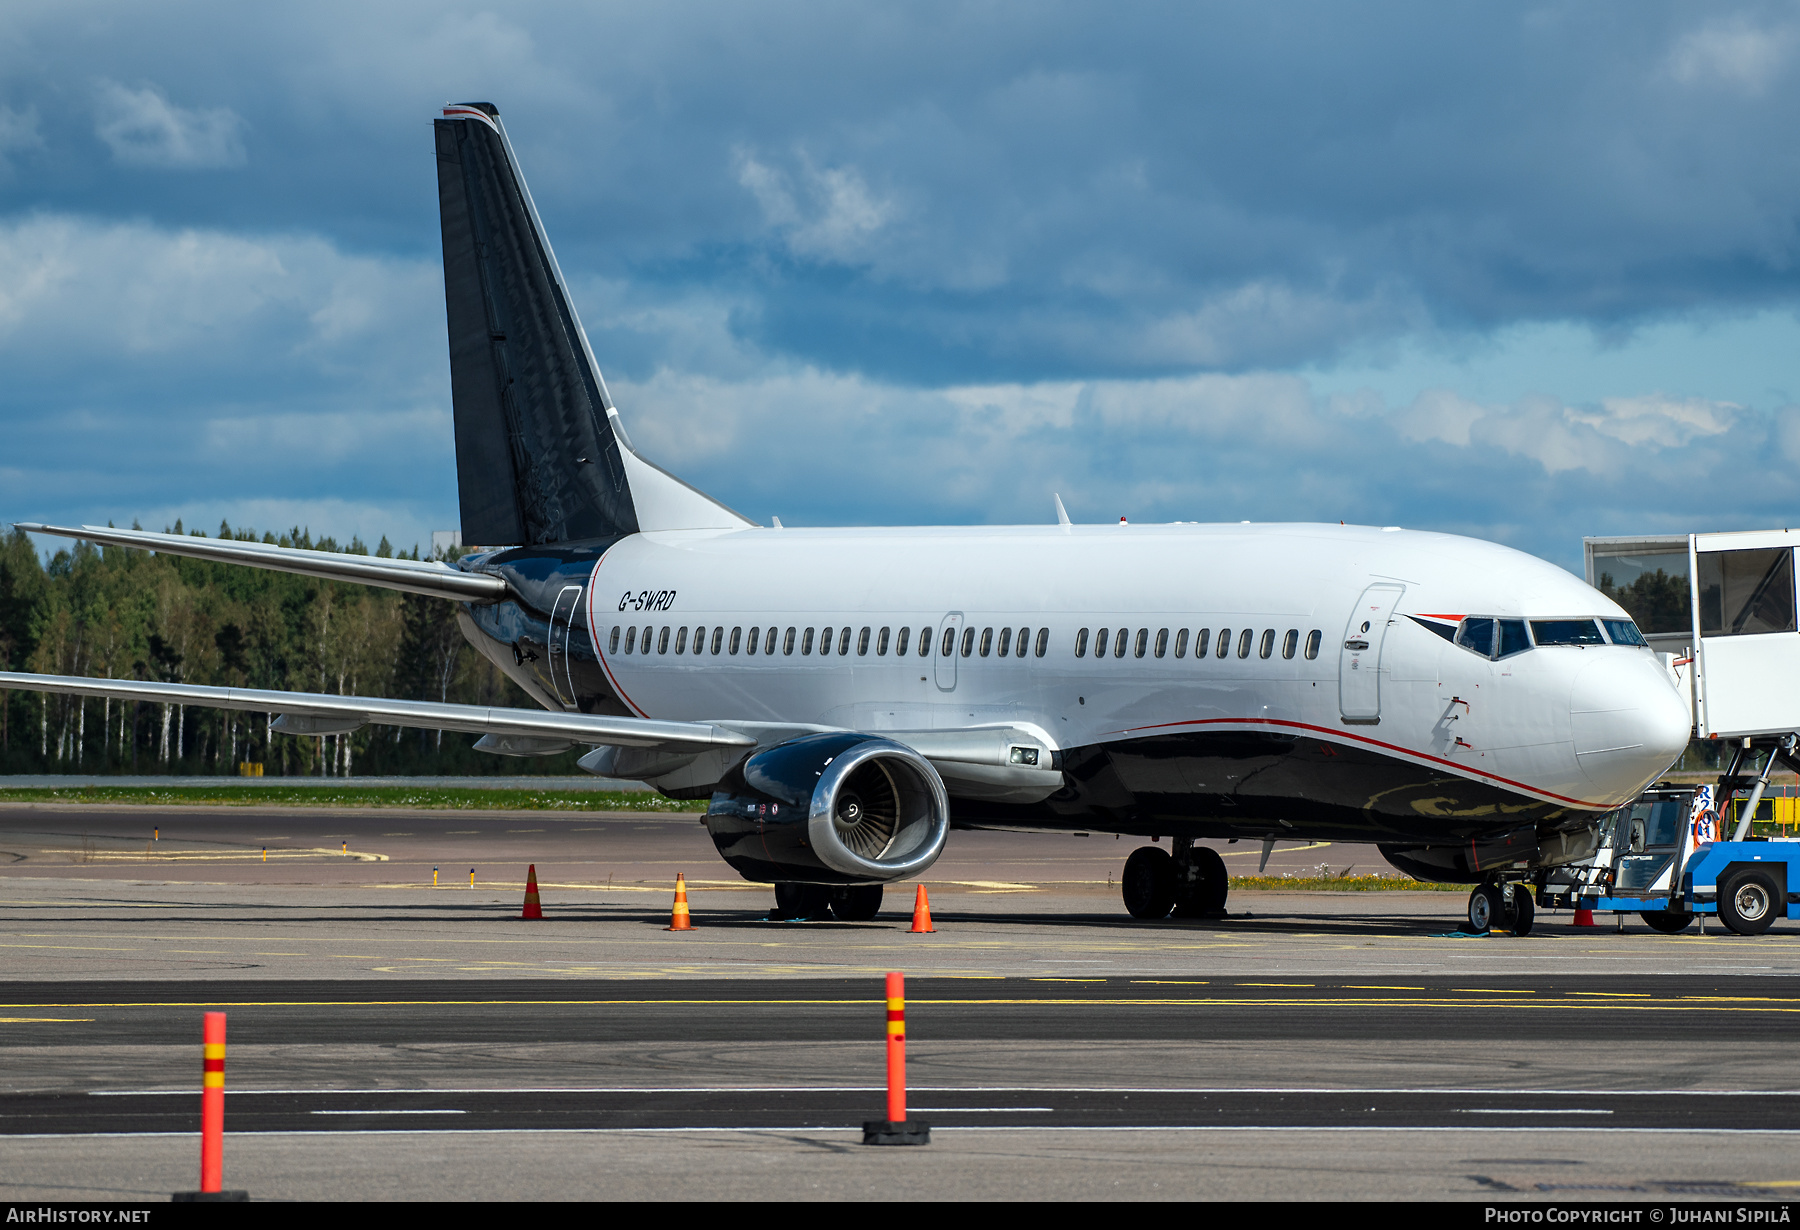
212,1114
896,1129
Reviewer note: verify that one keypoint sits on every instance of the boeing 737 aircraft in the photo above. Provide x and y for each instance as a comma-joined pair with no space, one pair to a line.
847,698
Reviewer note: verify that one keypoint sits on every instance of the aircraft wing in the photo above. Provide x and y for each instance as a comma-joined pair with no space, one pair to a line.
429,577
312,713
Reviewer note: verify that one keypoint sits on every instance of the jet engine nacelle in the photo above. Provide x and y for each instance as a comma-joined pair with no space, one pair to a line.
835,808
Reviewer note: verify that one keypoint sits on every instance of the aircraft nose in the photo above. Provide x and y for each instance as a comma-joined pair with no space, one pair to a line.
1628,722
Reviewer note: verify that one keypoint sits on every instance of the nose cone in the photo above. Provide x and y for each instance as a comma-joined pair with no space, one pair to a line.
1628,722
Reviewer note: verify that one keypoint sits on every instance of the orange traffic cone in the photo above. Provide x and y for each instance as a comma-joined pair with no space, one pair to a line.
1584,917
679,921
532,908
921,914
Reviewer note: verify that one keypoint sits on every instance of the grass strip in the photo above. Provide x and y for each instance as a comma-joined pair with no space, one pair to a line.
1345,884
337,794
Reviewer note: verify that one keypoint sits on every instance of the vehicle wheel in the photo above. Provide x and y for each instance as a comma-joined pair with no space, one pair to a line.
801,901
1749,902
1524,910
1149,882
856,902
1669,922
1204,894
1487,906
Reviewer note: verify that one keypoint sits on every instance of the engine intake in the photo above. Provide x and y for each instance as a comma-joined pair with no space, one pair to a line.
836,808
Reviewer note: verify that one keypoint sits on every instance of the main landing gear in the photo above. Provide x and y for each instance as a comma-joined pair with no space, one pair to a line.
1190,884
848,902
1505,907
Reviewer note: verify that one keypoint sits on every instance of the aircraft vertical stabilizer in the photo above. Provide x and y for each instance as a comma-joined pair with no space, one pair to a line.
540,454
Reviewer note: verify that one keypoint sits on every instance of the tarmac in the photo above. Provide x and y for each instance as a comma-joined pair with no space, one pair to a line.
1308,1045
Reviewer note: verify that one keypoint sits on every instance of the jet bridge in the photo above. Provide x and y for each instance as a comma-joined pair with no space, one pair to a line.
1680,852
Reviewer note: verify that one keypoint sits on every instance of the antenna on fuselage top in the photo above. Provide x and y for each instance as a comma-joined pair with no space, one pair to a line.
1062,514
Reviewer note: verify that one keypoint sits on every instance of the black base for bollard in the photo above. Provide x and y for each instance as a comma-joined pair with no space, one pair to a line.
888,1132
208,1197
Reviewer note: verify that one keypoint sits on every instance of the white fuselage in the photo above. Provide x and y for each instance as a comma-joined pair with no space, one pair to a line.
1584,727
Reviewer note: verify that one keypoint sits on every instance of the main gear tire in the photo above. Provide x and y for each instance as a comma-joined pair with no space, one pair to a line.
1148,884
1203,894
1487,909
856,902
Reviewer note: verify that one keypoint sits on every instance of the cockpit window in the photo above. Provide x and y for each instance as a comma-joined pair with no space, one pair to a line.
1477,635
1566,632
1512,638
1624,632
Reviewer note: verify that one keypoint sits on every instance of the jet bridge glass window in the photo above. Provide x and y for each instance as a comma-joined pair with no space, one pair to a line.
987,643
1244,639
1005,643
751,641
1181,636
1162,642
1142,644
612,644
1566,632
968,641
1224,643
1267,647
900,642
737,640
1080,641
881,644
1745,592
1623,632
1313,640
1043,642
662,641
681,639
1290,642
787,645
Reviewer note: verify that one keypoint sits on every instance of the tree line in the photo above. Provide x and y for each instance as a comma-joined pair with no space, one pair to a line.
119,613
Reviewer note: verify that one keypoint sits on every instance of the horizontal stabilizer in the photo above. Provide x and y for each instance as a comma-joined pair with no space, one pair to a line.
429,577
333,712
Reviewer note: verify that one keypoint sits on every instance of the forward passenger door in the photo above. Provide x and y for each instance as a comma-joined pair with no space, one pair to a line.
1359,661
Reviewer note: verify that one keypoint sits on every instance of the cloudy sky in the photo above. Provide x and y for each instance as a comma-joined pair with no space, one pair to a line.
1527,272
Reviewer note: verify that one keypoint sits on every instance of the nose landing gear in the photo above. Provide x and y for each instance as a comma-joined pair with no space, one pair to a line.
1506,907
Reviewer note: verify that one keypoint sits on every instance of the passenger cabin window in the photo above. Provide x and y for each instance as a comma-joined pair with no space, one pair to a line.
968,642
1267,647
1313,639
844,641
787,645
1162,642
806,641
630,638
1566,632
1244,639
1080,641
1005,643
1142,645
718,638
1119,639
924,642
612,644
1181,643
1290,642
737,640
681,640
900,642
1043,642
700,639
769,642
1102,642
881,644
987,643
662,641
1202,643
1224,642
1743,592
752,641
949,646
